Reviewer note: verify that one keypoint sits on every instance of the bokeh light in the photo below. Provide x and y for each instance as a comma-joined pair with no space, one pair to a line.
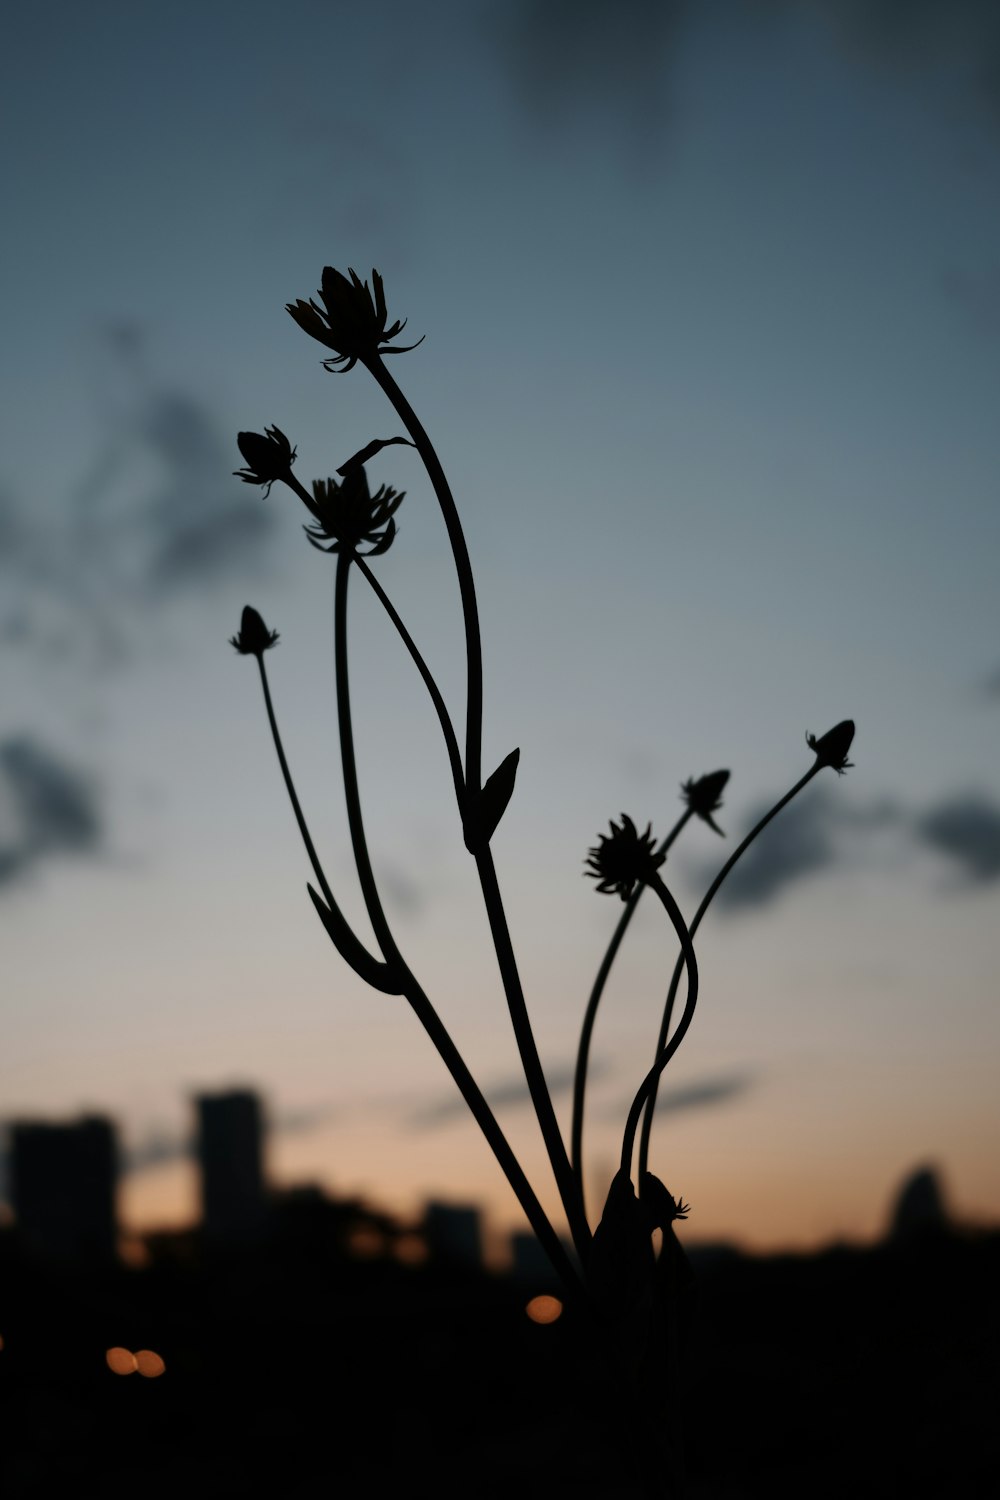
149,1364
544,1309
120,1361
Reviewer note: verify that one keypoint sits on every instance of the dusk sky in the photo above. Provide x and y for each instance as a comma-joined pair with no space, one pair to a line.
711,297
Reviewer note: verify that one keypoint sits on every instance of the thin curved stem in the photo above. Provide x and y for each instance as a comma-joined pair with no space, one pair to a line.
590,1015
419,1001
534,1075
350,947
647,1123
454,754
310,847
648,1085
530,1061
355,821
463,566
497,1141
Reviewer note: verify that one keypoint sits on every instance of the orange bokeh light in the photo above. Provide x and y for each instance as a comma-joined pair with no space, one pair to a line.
149,1364
120,1361
544,1309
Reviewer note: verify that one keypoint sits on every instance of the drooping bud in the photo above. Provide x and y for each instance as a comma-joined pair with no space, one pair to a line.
704,796
268,454
832,748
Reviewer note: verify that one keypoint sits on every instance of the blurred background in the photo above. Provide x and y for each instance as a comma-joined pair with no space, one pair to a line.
711,297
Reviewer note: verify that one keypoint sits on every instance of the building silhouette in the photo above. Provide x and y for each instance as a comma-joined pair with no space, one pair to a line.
63,1181
231,1161
453,1233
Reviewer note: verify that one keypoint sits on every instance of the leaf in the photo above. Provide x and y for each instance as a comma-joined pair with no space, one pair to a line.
496,794
372,970
369,451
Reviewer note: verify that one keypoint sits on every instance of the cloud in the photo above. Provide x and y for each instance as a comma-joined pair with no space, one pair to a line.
814,832
960,38
571,57
510,1091
799,842
196,528
703,1091
159,1146
154,515
49,807
967,828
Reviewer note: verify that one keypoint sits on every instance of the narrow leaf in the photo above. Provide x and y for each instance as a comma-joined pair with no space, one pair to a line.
496,794
369,451
372,970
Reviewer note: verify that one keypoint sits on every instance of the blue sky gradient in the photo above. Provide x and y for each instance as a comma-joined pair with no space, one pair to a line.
711,297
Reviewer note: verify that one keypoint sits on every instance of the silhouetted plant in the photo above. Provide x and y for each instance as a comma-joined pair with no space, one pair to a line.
629,1292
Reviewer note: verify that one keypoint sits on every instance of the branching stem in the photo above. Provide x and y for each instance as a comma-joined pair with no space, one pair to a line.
590,1015
647,1122
649,1082
418,1000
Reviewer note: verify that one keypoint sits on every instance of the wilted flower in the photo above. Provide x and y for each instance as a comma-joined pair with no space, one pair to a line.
831,748
269,456
254,637
704,796
622,858
352,321
347,515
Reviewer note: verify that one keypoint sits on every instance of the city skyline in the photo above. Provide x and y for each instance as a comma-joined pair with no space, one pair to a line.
711,310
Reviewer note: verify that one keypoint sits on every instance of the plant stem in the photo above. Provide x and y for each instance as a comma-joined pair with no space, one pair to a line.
418,1000
647,1123
534,1075
454,755
590,1015
290,787
649,1082
463,566
530,1061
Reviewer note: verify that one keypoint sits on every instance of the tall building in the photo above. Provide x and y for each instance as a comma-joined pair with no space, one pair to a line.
453,1233
63,1183
231,1158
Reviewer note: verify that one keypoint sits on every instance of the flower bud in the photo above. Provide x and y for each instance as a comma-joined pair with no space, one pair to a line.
269,456
254,638
704,796
831,748
352,321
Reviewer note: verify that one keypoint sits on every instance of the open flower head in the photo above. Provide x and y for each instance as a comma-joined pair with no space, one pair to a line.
254,638
347,515
623,857
704,796
832,748
350,319
268,456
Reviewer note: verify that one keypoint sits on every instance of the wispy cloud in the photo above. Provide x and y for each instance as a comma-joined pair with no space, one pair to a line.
567,58
47,806
720,1089
965,827
801,841
153,515
503,1092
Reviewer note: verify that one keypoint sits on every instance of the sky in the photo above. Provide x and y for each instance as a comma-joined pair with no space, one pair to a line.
711,304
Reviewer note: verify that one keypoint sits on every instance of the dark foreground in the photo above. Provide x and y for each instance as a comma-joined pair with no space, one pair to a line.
296,1370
